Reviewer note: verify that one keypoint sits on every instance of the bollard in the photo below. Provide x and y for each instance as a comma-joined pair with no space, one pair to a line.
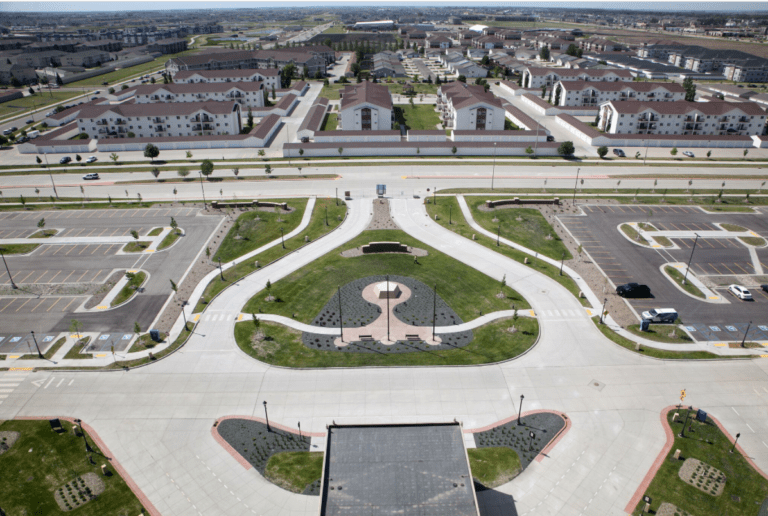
647,508
581,294
306,238
151,356
256,264
675,416
637,346
474,236
74,430
104,469
677,455
436,217
526,260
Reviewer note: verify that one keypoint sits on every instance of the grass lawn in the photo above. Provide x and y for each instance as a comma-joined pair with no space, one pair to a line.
36,101
755,241
48,354
129,289
493,467
491,343
305,292
730,209
658,353
419,117
448,210
136,247
44,233
660,333
43,461
180,340
125,73
677,277
169,240
335,29
145,342
708,444
531,231
74,352
294,471
331,92
633,234
733,227
18,248
666,242
255,233
155,232
315,229
330,122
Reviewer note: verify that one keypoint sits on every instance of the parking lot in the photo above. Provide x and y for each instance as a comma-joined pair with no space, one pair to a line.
50,277
724,260
20,344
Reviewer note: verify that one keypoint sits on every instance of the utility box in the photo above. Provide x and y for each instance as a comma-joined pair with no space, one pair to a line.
645,325
381,190
154,335
701,416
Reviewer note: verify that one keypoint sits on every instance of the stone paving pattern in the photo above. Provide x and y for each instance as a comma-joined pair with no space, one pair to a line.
256,444
415,311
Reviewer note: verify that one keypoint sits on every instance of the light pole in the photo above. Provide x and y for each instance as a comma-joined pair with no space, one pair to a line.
299,430
450,213
734,442
50,175
493,174
682,434
562,259
605,301
745,334
575,185
282,237
202,187
266,416
39,355
498,236
341,323
520,410
13,285
221,270
690,258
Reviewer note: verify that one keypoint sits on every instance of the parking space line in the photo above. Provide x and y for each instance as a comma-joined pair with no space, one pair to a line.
724,265
102,232
65,308
25,277
68,275
91,232
73,248
96,276
40,277
6,306
24,303
81,277
46,249
84,248
108,249
97,248
54,304
52,277
742,268
38,304
59,249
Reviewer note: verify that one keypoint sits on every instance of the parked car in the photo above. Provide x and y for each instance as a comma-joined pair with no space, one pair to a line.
740,292
550,138
65,160
304,139
7,132
689,154
619,153
93,175
764,287
661,315
91,159
30,121
633,290
14,128
23,139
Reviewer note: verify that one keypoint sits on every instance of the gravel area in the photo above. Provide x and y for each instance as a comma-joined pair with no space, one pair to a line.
256,444
61,289
78,492
105,289
7,440
669,509
381,218
702,476
544,425
357,312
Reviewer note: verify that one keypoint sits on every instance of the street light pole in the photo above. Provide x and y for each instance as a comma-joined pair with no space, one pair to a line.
736,441
605,301
387,307
690,258
450,213
221,270
282,237
561,264
202,187
745,334
50,175
493,174
434,310
520,410
341,323
13,285
498,235
266,416
39,355
575,185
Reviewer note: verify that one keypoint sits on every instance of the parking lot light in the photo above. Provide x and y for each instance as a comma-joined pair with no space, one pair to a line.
266,416
39,355
745,334
520,410
605,302
13,285
685,276
575,185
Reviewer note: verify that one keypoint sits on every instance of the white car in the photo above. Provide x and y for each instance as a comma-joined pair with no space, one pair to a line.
740,292
688,153
91,159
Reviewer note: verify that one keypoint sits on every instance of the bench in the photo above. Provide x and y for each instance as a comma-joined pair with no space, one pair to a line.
366,338
412,337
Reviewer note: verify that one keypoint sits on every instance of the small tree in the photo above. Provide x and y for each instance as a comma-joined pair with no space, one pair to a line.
114,157
454,150
268,169
41,225
78,158
673,151
135,234
156,172
208,253
183,172
189,154
529,150
269,290
503,284
174,224
250,119
75,327
236,171
261,153
301,152
22,200
709,153
39,161
566,149
602,151
206,167
151,152
746,151
341,150
136,327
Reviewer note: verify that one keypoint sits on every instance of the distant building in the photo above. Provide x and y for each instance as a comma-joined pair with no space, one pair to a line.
25,74
247,94
538,77
594,93
469,107
387,64
378,25
313,58
365,107
168,46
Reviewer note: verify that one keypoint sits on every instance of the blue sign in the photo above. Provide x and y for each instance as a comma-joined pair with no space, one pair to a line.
764,328
104,337
49,338
714,328
16,339
690,328
127,336
731,328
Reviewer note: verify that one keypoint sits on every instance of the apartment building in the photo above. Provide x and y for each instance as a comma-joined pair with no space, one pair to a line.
160,120
365,107
247,94
314,59
591,93
269,76
537,77
465,107
682,118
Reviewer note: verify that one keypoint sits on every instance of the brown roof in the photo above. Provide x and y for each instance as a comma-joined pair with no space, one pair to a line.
671,87
369,92
196,87
357,133
215,74
682,107
158,109
463,95
314,119
267,123
214,57
321,100
568,72
522,117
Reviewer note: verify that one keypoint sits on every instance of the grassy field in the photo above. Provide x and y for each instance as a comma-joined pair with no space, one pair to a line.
126,73
314,230
169,240
531,232
75,350
259,227
305,292
18,248
754,241
677,277
155,232
447,210
145,342
335,29
294,471
491,343
330,122
331,91
129,289
733,227
44,233
660,333
419,117
43,461
493,467
744,490
36,101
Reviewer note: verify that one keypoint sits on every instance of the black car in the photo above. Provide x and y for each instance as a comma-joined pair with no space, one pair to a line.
65,160
619,153
550,138
633,290
764,287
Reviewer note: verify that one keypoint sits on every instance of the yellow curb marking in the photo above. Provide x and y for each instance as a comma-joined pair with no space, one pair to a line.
102,307
533,314
720,345
589,312
761,356
655,246
240,317
75,336
678,266
99,356
149,250
13,356
21,368
196,317
713,297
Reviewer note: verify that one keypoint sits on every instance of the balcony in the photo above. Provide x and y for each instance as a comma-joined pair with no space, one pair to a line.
101,122
198,118
235,95
120,122
693,127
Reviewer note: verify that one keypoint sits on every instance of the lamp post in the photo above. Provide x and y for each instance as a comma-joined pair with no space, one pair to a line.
87,446
562,259
682,434
39,355
575,185
341,323
50,175
493,174
282,237
605,301
745,334
299,430
734,442
498,236
520,410
221,270
13,285
690,258
450,213
266,416
202,187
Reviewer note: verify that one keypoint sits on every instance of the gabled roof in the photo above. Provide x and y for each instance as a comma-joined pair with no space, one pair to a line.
225,74
564,72
671,87
160,109
682,107
196,87
464,95
366,92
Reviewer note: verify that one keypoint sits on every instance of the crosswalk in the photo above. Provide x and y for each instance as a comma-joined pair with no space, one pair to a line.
216,317
9,381
561,314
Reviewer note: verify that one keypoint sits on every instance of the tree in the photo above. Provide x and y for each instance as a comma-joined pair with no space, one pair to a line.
566,149
261,153
341,150
39,161
673,151
250,119
22,200
41,225
156,172
75,327
269,290
602,151
544,91
461,78
114,157
544,53
236,171
183,172
709,153
189,154
573,50
453,150
746,151
111,91
135,234
690,89
503,284
151,152
136,327
174,224
206,167
268,169
173,286
529,150
78,158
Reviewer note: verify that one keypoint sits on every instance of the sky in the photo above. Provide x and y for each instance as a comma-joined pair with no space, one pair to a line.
743,8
